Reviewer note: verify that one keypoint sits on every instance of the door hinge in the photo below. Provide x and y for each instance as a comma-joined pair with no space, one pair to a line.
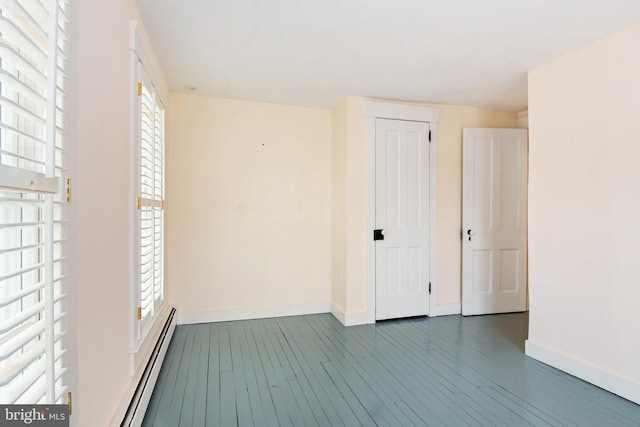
139,313
139,89
429,135
69,190
429,288
139,203
70,403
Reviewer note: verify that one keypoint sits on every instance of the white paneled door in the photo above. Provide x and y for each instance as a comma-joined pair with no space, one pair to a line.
402,218
494,220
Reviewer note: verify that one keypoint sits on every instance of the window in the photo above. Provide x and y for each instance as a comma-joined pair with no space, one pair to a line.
34,146
150,202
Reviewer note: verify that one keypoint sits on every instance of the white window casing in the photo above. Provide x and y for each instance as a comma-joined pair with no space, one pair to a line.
150,202
147,214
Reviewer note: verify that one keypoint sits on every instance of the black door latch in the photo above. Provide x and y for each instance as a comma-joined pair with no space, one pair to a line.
378,235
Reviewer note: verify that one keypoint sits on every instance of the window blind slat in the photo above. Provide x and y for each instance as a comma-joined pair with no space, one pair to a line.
12,107
22,271
16,320
15,36
6,78
61,392
34,383
22,336
33,14
19,248
19,133
19,364
22,225
22,388
13,297
28,71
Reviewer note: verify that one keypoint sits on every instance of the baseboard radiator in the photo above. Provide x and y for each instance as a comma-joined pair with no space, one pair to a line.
141,397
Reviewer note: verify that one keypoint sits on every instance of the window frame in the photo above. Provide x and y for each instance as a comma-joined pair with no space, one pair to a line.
142,62
150,202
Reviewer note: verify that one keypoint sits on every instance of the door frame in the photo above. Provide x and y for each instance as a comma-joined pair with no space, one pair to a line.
384,110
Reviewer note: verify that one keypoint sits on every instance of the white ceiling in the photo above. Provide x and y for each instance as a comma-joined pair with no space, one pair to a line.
315,52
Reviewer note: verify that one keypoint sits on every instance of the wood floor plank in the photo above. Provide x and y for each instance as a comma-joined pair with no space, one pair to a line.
224,342
504,372
291,375
383,364
244,411
212,416
228,410
171,362
174,409
504,416
166,397
532,414
336,411
251,377
268,409
267,355
193,402
375,395
471,357
287,326
432,405
411,414
358,409
310,370
447,386
202,374
377,379
228,402
297,409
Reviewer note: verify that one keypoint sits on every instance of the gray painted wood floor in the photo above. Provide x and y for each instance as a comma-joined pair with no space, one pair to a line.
310,370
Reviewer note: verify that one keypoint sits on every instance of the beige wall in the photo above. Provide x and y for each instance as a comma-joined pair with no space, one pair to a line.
248,204
584,206
449,197
339,207
101,206
356,207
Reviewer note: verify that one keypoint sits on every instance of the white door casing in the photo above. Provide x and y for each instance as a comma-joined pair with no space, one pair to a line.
494,219
374,110
402,213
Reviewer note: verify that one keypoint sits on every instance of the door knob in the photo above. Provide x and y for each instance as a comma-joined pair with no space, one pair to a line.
378,234
470,232
383,232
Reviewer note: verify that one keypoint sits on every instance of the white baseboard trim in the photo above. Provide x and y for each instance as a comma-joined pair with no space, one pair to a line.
606,380
351,319
135,401
231,314
447,309
338,313
358,318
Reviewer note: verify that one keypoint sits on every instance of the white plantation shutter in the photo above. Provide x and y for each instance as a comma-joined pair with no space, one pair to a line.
158,192
150,203
33,209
